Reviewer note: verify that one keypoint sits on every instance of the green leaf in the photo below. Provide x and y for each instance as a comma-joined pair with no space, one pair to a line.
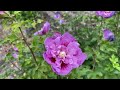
16,12
34,24
39,20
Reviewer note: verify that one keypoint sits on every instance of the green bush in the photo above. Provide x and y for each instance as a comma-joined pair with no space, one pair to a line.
102,56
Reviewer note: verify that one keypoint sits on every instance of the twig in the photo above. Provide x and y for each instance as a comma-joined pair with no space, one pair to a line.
28,46
117,28
24,40
117,25
16,66
58,77
94,62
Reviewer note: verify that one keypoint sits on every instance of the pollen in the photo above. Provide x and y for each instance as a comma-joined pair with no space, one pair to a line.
62,54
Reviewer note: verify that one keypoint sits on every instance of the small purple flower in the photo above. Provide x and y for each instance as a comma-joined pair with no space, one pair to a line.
2,12
44,30
108,35
63,53
105,14
61,21
15,55
57,15
15,49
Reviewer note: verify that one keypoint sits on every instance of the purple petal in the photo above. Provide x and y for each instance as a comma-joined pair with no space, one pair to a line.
15,49
64,70
56,34
73,48
107,34
49,42
61,21
44,30
57,15
2,12
99,13
36,33
15,55
105,14
67,38
82,58
49,60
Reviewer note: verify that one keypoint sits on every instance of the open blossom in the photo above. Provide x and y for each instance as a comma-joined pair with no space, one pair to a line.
108,35
105,14
63,53
44,30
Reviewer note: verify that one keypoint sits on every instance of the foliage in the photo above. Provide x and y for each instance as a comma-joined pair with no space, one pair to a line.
102,56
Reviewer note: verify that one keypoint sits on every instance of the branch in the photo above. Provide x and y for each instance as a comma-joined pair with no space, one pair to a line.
28,46
15,66
117,25
94,61
25,40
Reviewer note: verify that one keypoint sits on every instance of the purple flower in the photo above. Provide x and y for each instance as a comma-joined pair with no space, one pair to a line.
15,55
36,33
105,14
63,53
44,30
57,15
15,49
108,35
1,12
61,21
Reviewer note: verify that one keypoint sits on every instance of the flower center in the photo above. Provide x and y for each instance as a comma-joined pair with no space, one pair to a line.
62,54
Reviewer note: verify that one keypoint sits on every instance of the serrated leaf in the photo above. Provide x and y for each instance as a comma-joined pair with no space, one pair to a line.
39,20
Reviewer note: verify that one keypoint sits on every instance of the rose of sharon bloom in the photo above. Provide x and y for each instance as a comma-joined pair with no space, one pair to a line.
108,35
105,14
1,12
44,30
63,53
15,55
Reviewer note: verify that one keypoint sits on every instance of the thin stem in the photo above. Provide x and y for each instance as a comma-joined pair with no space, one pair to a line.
17,67
25,40
99,38
117,28
101,24
28,46
88,28
117,25
102,21
58,77
94,61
